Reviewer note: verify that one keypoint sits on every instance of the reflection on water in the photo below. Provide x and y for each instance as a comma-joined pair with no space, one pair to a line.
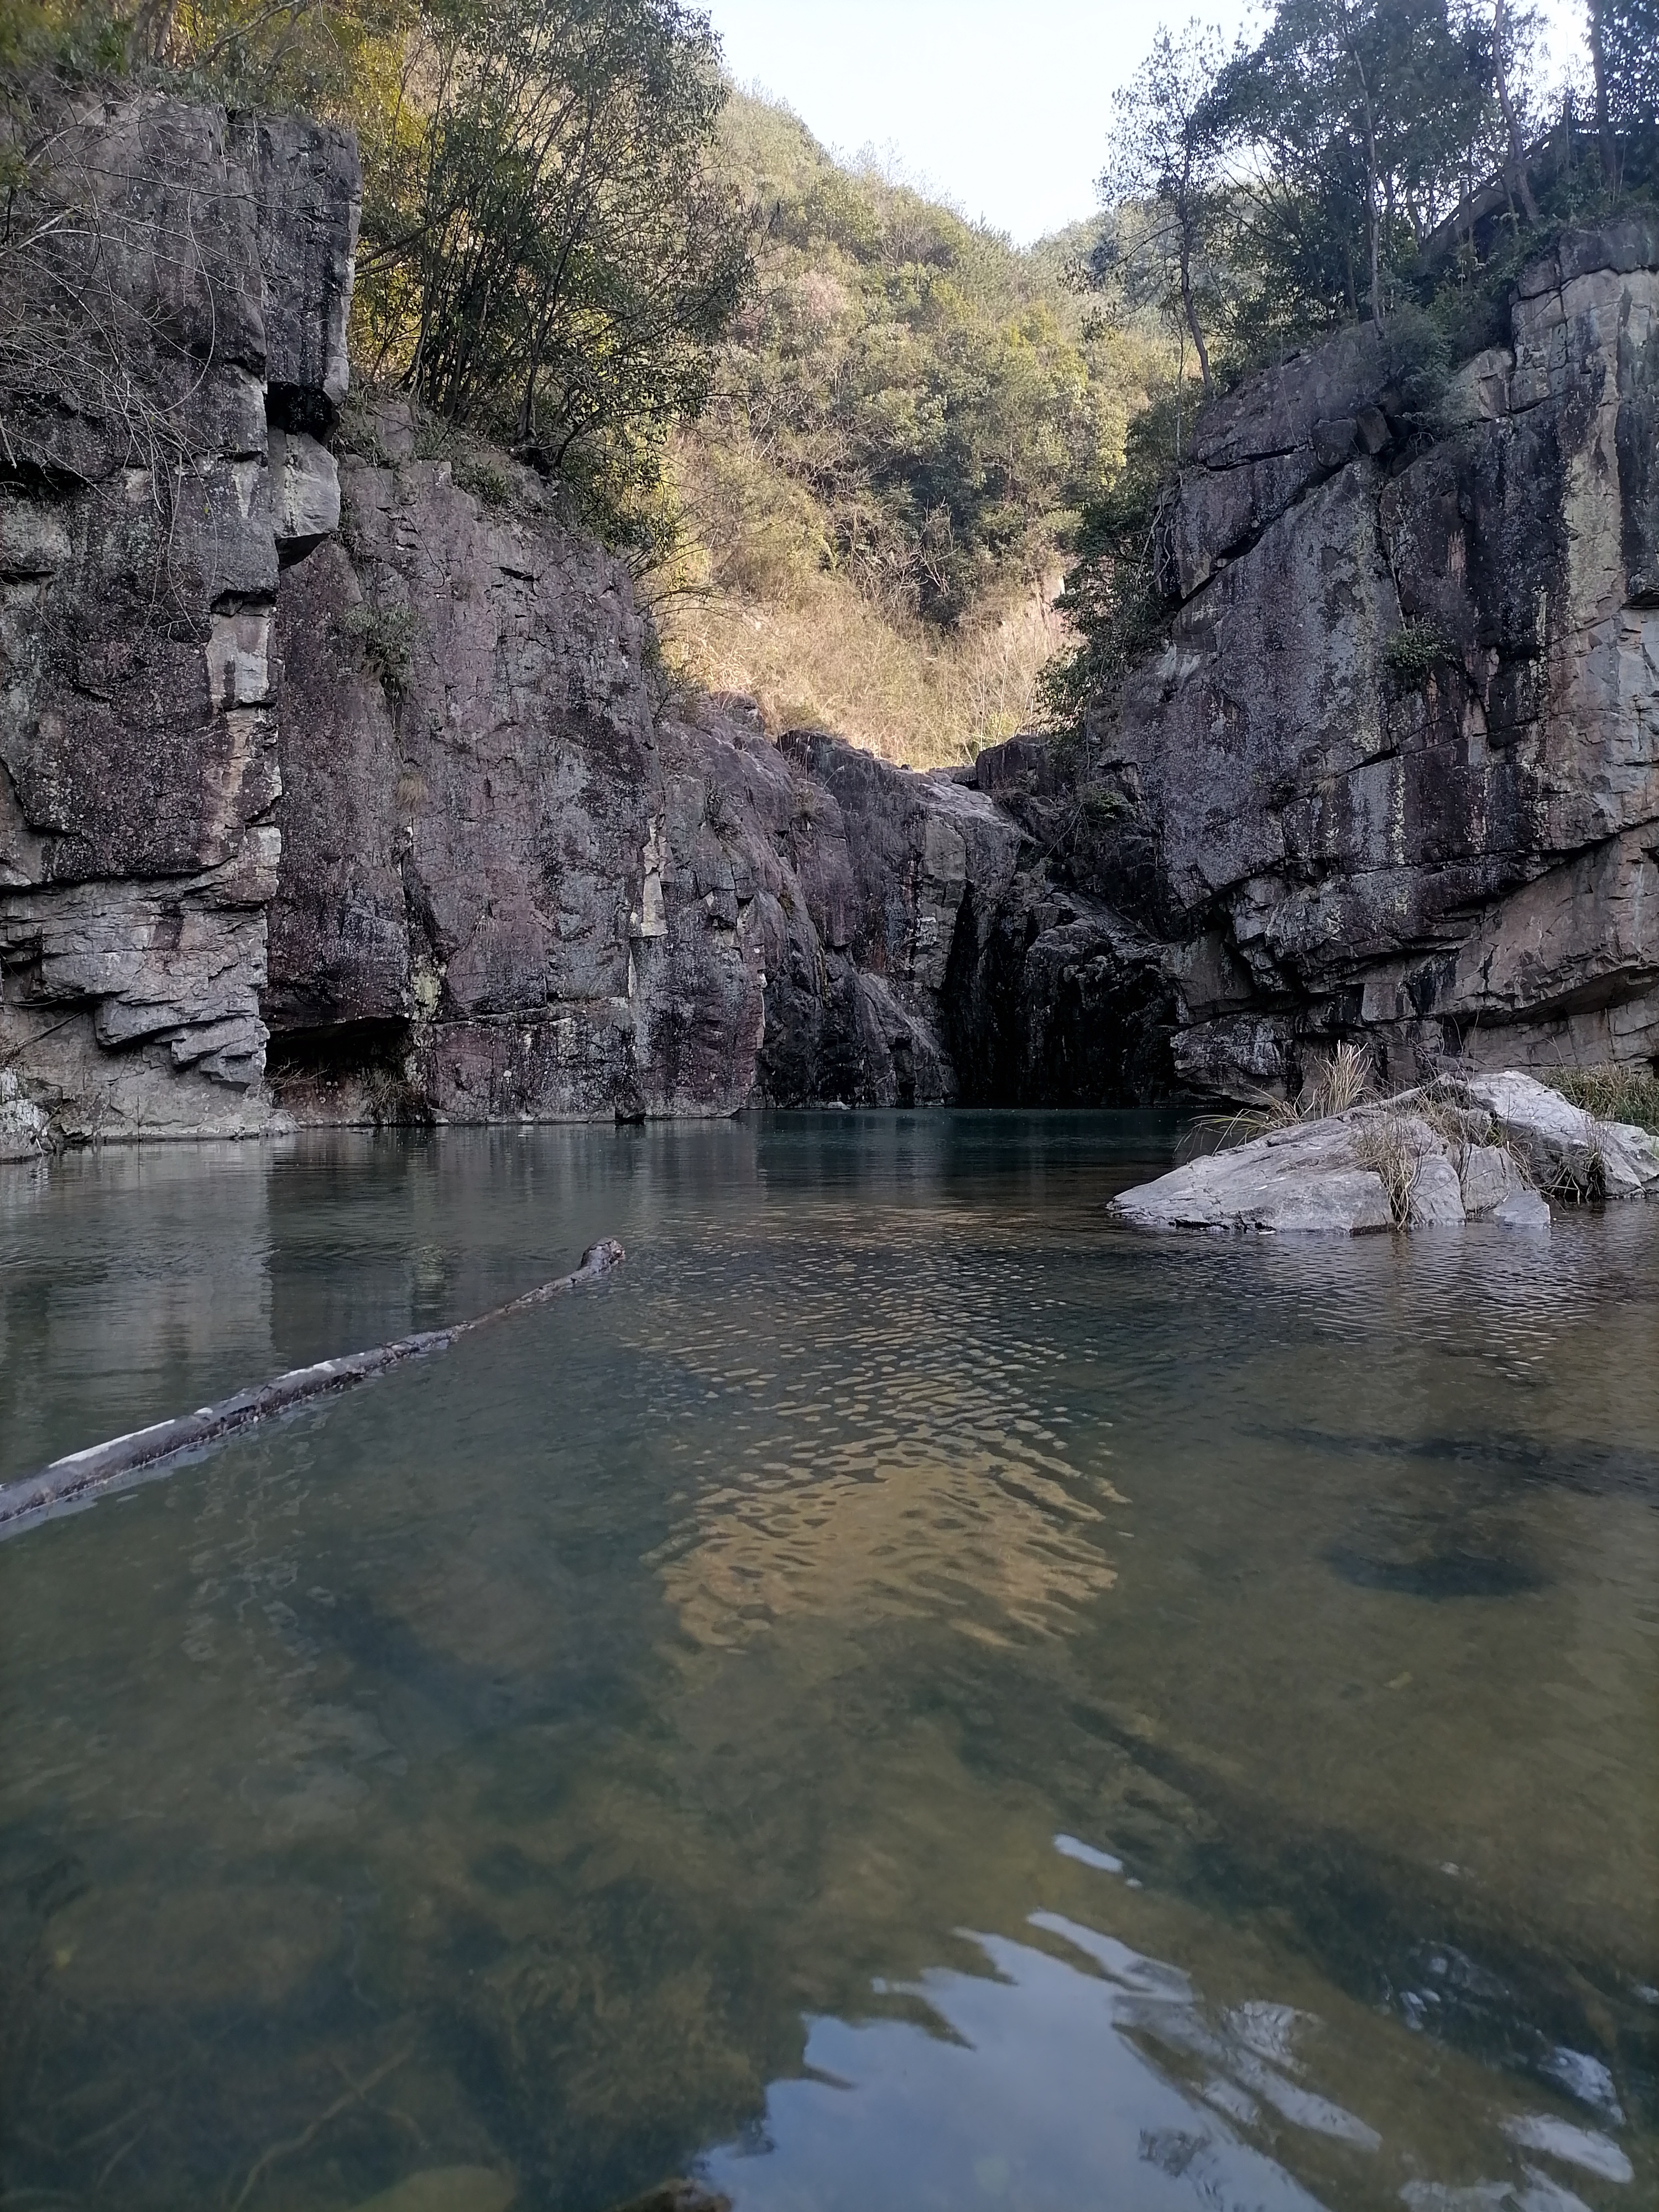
908,1695
1043,2086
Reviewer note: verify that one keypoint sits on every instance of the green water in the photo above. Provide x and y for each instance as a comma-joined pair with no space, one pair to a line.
908,1696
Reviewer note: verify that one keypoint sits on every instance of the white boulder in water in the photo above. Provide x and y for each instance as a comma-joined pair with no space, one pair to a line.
1481,1148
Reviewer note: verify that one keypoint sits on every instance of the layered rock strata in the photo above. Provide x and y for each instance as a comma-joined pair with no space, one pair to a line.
1395,773
195,320
339,781
332,788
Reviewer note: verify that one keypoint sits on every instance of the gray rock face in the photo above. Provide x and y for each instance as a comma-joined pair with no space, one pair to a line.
138,575
495,874
23,1126
1397,773
306,190
513,886
332,757
305,490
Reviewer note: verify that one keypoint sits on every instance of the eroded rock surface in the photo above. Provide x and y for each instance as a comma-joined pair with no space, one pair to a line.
334,787
1396,772
517,883
1484,1148
138,580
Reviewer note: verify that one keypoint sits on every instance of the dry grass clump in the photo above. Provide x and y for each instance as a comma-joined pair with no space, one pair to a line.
1388,1145
824,657
1341,1082
1611,1094
1392,1136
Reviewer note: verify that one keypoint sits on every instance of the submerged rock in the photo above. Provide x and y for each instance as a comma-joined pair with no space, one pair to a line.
446,2189
1480,1149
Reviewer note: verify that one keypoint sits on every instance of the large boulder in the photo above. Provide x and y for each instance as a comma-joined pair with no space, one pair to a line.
1485,1148
1303,1180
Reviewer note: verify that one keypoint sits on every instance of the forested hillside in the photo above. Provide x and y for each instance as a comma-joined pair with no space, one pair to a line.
901,418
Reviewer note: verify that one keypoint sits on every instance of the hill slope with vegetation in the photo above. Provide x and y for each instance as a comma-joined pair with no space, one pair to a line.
901,419
848,440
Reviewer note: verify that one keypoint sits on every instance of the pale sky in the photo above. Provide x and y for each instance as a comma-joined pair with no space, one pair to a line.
999,105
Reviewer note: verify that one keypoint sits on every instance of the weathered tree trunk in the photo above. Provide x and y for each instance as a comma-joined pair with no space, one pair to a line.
1603,116
1520,179
1191,308
144,1450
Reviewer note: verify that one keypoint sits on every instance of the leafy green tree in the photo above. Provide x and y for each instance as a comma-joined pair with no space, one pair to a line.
1112,596
1502,56
931,392
1170,140
549,253
1362,118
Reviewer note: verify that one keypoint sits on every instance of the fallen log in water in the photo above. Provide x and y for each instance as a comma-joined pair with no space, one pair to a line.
146,1449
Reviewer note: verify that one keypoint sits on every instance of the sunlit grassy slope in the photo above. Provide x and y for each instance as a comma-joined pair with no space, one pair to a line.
877,499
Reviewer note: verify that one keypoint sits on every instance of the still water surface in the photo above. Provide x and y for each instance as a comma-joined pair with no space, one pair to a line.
908,1695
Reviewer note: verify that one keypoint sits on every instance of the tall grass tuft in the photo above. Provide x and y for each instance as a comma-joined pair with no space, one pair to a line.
1611,1094
1386,1146
1340,1083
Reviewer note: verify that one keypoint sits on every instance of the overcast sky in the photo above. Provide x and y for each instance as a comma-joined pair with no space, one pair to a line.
999,105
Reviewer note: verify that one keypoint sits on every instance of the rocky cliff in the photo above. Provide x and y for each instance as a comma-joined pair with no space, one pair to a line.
1395,775
337,781
189,329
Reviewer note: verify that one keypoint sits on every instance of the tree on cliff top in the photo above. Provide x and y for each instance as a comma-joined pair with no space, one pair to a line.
1624,43
1364,120
549,253
1170,138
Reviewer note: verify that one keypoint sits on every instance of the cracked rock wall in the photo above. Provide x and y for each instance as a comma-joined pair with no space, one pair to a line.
334,788
139,554
1395,775
521,881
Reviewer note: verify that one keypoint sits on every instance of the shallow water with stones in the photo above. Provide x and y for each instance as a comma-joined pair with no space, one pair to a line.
908,1695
